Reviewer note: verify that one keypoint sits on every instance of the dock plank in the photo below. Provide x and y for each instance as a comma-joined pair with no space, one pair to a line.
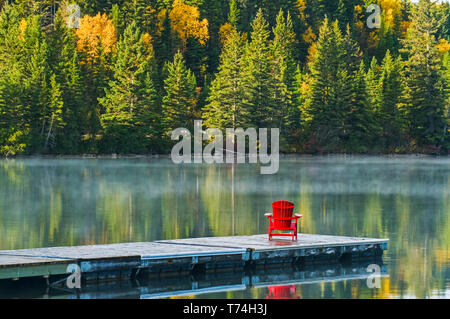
261,242
72,253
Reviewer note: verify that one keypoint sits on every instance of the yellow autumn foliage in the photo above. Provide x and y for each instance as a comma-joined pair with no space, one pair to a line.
301,6
185,21
92,32
312,51
22,27
147,42
358,9
161,17
224,32
392,9
443,46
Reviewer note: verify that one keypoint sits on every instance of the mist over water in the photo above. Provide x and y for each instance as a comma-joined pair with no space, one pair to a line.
56,202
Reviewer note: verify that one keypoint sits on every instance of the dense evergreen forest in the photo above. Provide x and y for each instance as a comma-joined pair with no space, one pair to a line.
120,77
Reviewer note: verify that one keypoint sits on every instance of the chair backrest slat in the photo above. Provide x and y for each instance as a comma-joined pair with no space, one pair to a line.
282,209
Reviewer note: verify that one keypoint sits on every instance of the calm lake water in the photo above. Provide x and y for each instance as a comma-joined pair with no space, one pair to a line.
57,202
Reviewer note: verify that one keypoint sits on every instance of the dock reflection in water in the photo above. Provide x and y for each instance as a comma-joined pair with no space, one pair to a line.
270,283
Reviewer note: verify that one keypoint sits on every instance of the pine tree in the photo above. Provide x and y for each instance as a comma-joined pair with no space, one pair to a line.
360,118
234,14
36,82
257,64
323,111
353,52
65,66
446,63
135,11
283,72
373,85
54,114
227,107
14,128
180,100
423,97
391,88
130,101
117,18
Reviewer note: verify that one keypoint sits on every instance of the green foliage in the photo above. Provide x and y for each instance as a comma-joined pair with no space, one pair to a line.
324,110
131,102
284,68
360,120
387,114
228,107
446,63
311,68
235,14
423,99
256,74
180,100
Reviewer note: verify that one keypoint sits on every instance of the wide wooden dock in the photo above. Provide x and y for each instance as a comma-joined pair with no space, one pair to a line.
166,257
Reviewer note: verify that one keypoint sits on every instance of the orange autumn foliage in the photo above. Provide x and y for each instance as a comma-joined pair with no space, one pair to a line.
92,32
309,36
185,21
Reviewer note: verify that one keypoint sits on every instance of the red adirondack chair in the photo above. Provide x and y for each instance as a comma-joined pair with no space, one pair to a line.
282,219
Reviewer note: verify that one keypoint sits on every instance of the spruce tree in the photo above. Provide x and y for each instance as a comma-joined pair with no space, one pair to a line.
14,131
360,118
227,107
323,112
446,62
257,74
353,54
423,97
130,101
234,14
65,65
373,85
54,114
36,82
180,98
284,70
117,18
391,88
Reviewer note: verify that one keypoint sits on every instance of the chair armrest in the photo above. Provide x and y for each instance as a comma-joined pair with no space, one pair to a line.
268,215
298,216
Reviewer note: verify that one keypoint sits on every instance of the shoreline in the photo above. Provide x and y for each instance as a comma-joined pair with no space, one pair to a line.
281,155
